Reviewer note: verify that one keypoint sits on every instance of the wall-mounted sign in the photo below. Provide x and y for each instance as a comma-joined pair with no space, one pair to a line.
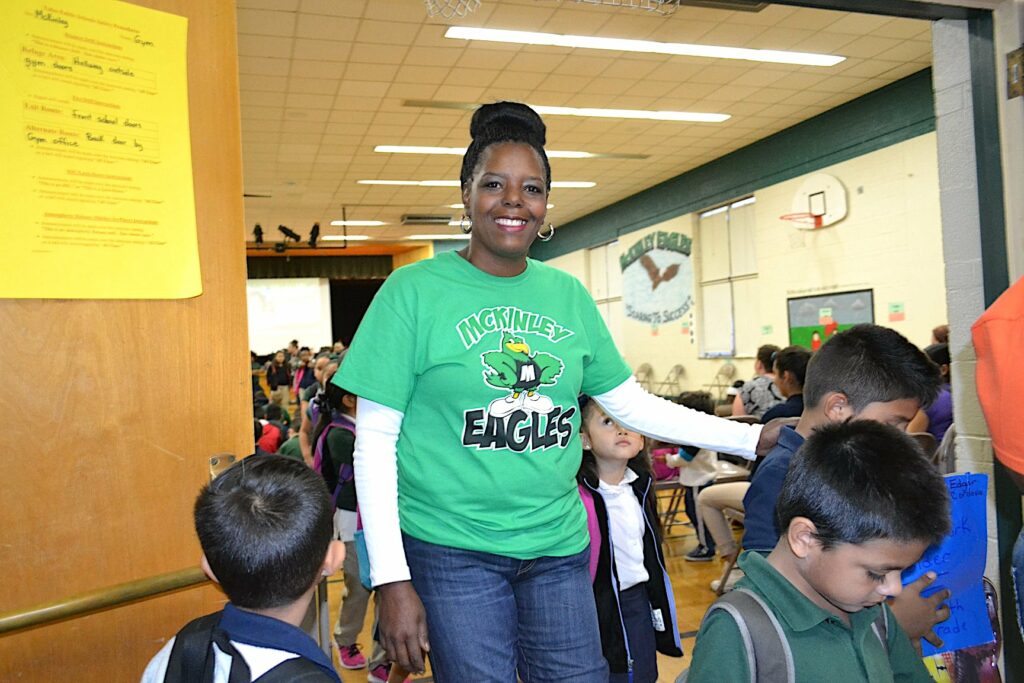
97,161
657,278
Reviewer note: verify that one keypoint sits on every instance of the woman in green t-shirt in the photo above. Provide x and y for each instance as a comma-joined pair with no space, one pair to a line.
468,366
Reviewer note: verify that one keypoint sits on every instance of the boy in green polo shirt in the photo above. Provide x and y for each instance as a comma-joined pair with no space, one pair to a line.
860,504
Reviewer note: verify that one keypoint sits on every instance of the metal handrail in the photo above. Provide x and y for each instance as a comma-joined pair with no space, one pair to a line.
104,598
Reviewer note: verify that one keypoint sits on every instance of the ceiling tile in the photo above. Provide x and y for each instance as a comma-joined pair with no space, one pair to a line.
631,69
262,99
307,114
265,46
362,88
262,22
387,32
869,46
325,50
253,112
262,66
376,54
471,77
306,68
313,86
338,8
518,17
302,100
905,29
284,5
260,83
421,74
433,56
339,29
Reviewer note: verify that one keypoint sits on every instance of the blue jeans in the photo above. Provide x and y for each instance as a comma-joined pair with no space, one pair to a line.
491,616
1017,570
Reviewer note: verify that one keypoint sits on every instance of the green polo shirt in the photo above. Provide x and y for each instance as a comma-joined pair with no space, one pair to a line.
824,648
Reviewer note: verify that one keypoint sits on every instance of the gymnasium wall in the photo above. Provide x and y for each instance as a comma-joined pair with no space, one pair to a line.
890,242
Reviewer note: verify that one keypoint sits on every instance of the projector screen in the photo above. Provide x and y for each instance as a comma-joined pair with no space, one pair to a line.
288,308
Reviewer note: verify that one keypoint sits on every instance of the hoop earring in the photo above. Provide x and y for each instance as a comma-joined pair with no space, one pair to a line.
551,233
465,225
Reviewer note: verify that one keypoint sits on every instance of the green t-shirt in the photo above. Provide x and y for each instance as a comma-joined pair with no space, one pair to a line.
291,448
487,371
824,648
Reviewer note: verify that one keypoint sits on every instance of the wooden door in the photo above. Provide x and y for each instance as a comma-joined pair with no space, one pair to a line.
112,409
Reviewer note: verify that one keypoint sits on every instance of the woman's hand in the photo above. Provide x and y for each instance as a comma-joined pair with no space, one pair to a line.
403,625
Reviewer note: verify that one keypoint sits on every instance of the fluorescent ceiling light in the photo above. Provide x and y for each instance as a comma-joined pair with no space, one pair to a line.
459,151
692,116
742,202
342,238
666,115
463,206
437,237
361,224
648,46
572,184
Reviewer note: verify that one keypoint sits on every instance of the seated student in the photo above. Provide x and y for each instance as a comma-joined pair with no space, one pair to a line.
938,417
867,372
860,504
265,526
759,394
698,469
790,369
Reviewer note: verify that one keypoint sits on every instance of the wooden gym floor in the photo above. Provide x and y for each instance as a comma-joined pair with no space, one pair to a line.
690,583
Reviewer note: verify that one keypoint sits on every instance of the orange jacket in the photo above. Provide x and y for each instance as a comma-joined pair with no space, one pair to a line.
999,344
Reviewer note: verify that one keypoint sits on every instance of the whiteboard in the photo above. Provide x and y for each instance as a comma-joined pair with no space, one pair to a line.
288,308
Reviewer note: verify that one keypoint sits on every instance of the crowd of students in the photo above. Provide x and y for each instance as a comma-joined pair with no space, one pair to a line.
496,449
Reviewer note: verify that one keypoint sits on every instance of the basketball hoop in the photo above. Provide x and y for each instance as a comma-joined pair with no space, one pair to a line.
450,8
803,220
662,7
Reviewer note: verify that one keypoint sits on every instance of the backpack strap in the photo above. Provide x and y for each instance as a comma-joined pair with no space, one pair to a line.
769,657
296,669
193,658
881,628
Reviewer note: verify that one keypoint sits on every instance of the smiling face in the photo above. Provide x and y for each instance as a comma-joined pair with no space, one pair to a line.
607,439
852,577
507,200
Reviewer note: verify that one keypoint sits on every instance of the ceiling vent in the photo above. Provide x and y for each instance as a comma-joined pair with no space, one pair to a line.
425,219
734,5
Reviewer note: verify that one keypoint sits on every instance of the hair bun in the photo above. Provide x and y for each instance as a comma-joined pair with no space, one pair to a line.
509,120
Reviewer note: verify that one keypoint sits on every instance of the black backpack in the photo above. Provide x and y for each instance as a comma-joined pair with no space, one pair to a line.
193,657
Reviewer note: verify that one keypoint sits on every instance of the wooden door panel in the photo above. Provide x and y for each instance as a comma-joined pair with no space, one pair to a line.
112,410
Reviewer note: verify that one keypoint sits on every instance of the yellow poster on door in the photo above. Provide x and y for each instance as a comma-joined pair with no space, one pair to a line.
96,169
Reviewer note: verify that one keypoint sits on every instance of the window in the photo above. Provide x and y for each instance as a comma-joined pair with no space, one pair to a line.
727,240
604,280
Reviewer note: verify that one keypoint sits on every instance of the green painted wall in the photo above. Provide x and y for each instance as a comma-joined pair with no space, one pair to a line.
897,112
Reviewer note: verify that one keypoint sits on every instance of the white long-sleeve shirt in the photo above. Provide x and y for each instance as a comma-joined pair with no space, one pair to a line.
376,463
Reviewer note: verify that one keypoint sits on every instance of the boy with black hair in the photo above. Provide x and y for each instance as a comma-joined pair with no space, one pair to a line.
265,526
866,372
860,504
790,368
